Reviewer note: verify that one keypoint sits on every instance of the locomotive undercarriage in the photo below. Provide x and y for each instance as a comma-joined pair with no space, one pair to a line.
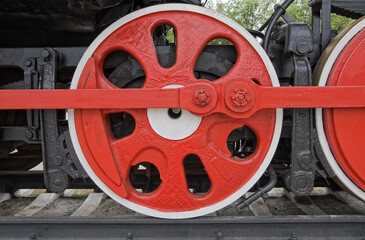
29,137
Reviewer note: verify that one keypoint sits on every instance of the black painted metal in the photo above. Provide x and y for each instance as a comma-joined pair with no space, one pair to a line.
12,180
31,81
262,191
347,8
60,162
326,24
321,16
316,33
65,157
279,11
63,22
55,179
19,56
296,227
16,133
302,171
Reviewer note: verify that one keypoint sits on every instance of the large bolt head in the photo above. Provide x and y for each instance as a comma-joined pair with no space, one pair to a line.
240,97
28,63
46,54
201,97
303,48
58,160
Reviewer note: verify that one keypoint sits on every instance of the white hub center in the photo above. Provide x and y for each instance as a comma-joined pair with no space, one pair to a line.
173,124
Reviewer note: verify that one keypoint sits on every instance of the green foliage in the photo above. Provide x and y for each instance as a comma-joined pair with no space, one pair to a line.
300,11
253,13
339,23
170,37
220,41
249,13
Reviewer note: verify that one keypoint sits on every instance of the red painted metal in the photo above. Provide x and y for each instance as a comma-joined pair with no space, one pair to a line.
209,142
345,128
187,97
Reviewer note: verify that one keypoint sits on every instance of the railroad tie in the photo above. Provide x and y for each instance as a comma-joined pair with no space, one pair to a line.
91,203
81,193
22,193
276,193
350,200
4,197
258,207
38,204
309,207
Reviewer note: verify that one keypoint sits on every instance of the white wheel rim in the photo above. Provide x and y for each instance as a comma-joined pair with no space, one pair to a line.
275,138
319,112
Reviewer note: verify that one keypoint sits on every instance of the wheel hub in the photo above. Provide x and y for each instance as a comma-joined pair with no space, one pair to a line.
173,124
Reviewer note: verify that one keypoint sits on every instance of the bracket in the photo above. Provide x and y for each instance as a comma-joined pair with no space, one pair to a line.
300,180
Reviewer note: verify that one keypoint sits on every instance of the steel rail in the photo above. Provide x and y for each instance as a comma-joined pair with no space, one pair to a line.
295,227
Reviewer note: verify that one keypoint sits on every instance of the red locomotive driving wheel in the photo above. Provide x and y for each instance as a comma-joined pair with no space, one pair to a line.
166,143
341,131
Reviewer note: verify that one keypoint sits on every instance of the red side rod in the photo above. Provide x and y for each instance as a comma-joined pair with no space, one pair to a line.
265,97
311,97
89,98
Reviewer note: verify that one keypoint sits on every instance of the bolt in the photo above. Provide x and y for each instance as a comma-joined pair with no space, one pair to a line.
240,97
33,236
58,160
129,236
201,97
45,54
28,134
302,183
302,48
176,110
302,112
28,63
219,236
305,161
293,236
57,182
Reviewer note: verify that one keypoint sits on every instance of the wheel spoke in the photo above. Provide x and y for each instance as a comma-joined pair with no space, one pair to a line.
249,67
261,123
224,171
219,131
190,42
103,83
126,150
92,79
93,126
136,39
173,192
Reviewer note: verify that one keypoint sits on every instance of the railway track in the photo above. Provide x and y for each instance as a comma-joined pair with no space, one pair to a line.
85,214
